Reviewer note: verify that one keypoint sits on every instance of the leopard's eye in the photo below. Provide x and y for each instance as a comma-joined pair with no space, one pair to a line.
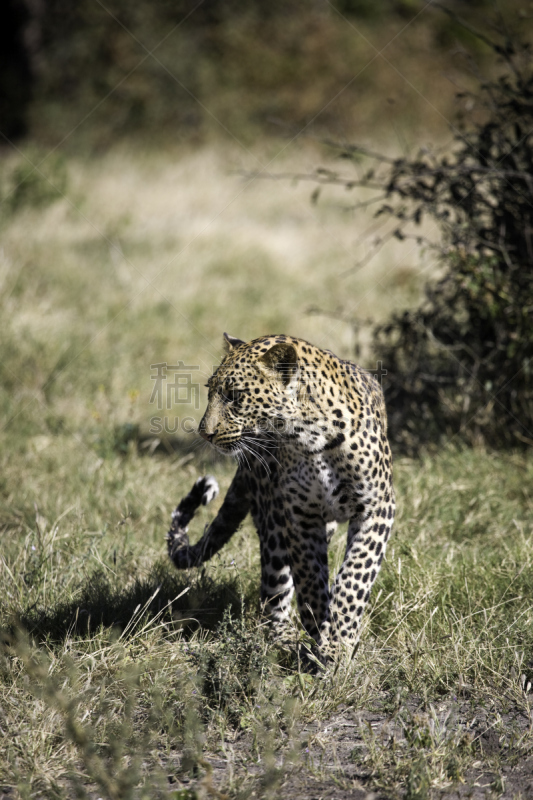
230,395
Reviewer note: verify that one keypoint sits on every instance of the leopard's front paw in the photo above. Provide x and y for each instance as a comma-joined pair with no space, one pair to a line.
204,490
177,540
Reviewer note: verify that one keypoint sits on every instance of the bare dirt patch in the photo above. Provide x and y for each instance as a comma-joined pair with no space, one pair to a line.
364,754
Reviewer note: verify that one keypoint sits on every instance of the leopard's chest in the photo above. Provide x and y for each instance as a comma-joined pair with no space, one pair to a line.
320,485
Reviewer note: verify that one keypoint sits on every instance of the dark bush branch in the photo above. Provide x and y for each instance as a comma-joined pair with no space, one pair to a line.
347,150
366,203
377,246
324,177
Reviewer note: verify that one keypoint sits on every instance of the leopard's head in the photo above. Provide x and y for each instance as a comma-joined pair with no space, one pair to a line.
253,395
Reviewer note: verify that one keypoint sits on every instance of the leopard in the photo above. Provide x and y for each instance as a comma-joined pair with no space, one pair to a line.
309,433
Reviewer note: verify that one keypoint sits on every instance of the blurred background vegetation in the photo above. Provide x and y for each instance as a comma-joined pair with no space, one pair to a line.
183,70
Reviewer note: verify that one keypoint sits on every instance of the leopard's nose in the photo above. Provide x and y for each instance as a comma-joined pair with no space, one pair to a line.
207,436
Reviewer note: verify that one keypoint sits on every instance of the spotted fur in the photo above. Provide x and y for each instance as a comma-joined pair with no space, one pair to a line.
309,431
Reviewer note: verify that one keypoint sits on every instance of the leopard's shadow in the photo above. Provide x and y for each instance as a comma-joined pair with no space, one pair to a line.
182,601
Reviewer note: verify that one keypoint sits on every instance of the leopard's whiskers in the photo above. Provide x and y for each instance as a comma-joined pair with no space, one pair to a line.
259,443
247,446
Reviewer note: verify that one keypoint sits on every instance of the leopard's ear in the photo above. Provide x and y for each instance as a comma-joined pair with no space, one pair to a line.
230,342
281,359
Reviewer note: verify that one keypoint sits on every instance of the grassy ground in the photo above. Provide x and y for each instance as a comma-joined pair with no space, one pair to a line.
120,677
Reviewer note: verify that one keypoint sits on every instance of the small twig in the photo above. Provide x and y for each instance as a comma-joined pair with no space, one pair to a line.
323,178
